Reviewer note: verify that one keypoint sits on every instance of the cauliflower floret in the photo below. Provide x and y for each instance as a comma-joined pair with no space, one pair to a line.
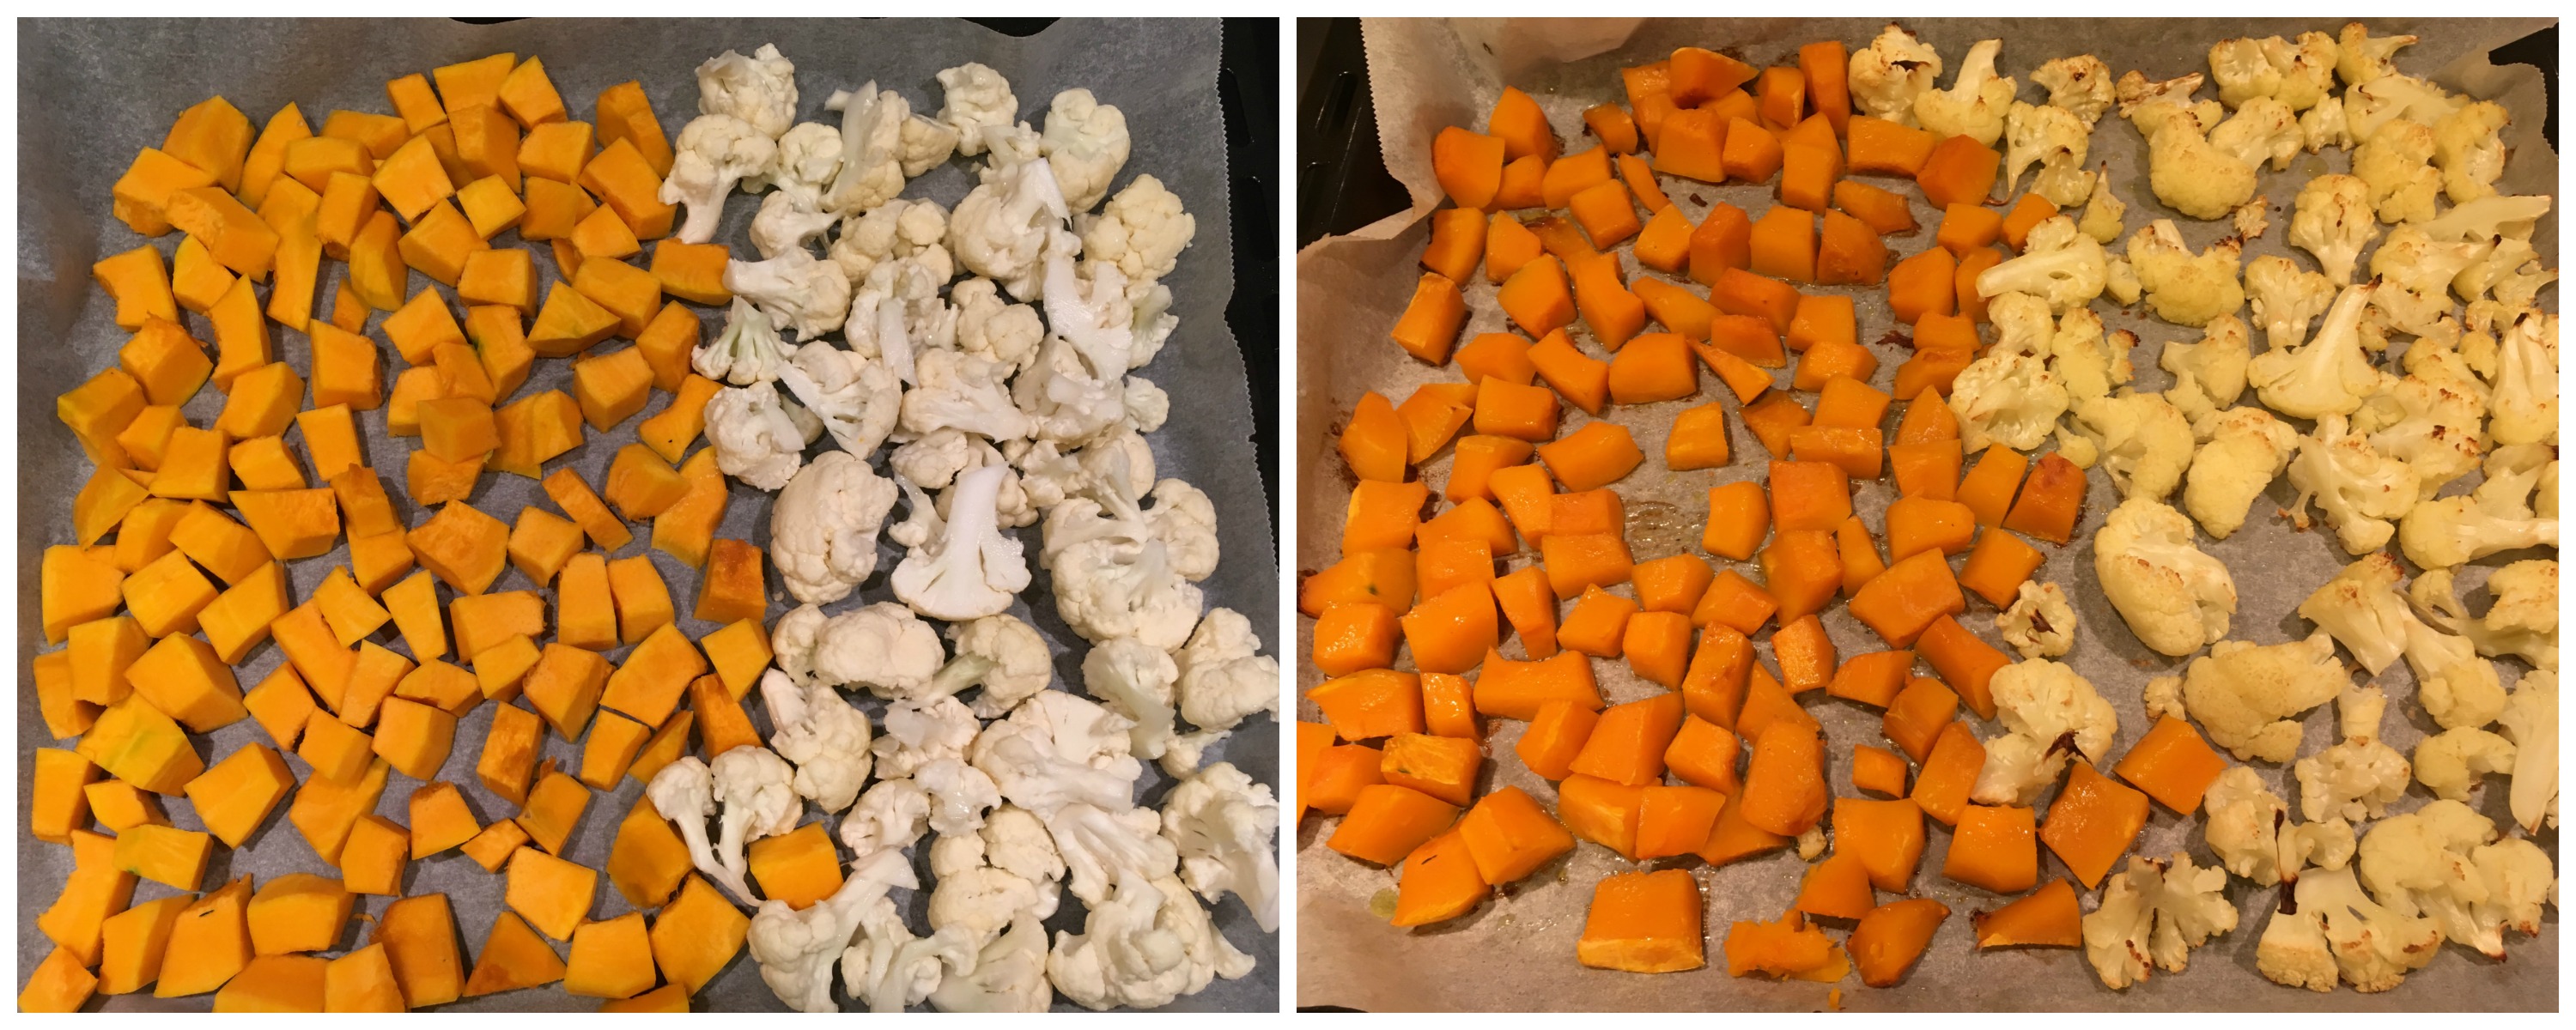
2215,367
898,228
856,399
823,531
2526,381
2253,218
1143,945
756,791
1974,106
2181,287
971,570
2362,609
784,224
759,89
1004,230
2335,929
2454,685
1134,679
963,392
1009,975
792,639
2102,215
2006,397
2049,713
896,314
923,143
1086,142
2395,162
887,968
827,739
2332,220
2188,170
1222,824
1059,750
2450,531
754,439
684,793
2247,448
2298,75
2466,148
1102,846
2522,622
1224,680
2356,779
1112,587
2414,276
2530,720
747,353
871,148
2263,130
1001,654
987,327
933,459
2152,914
2247,696
2143,442
2330,374
1142,231
2452,761
794,289
2431,424
1070,406
921,731
2163,698
796,948
802,165
2325,126
2360,58
2058,264
2359,489
959,794
714,152
2390,98
974,97
978,900
2040,623
882,646
2148,104
1887,75
2042,134
2487,218
2285,298
2081,84
2175,598
2250,831
2427,862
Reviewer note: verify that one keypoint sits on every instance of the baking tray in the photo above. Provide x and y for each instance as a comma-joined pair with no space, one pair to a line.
92,92
1517,952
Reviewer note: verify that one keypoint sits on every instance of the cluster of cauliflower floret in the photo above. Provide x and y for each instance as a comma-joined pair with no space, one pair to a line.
1008,398
2478,394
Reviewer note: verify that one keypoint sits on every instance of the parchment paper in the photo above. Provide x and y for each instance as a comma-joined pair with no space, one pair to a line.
91,93
1517,952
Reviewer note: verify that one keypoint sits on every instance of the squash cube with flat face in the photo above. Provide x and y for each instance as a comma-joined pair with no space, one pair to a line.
421,326
439,242
483,620
280,703
239,617
263,463
165,596
134,742
165,854
490,205
462,547
262,401
376,263
291,523
232,234
377,560
372,861
493,847
412,387
554,807
168,363
312,160
463,372
564,686
541,543
195,466
556,150
442,686
640,484
733,588
500,275
183,677
624,181
196,281
530,96
601,234
411,179
102,650
569,323
346,369
501,342
351,613
76,585
440,819
648,686
234,796
555,210
554,894
298,912
499,668
413,605
509,757
739,652
349,200
457,429
612,387
643,599
413,737
335,749
632,293
381,134
363,503
573,494
222,546
144,441
585,613
142,194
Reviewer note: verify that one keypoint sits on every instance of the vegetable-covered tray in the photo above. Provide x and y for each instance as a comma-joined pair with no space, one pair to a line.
96,91
1517,951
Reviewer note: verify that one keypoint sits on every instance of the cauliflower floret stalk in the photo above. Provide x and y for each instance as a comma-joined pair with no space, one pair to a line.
2181,287
889,968
2486,218
2175,598
1005,229
1135,680
2449,531
2452,761
2247,698
747,353
2331,219
882,647
1094,317
2381,102
755,439
2152,914
2522,622
1000,654
871,143
2247,448
2396,162
2250,831
2359,489
974,97
1086,142
2042,134
2080,84
794,289
2040,623
1224,680
971,570
959,794
2286,298
963,392
1143,946
857,400
2327,928
2526,382
2360,59
1975,104
757,793
2144,443
896,313
714,152
2361,608
2049,713
823,530
2058,263
1009,975
1059,750
2330,374
796,948
2530,720
782,225
1887,75
2356,779
1222,823
1069,406
684,793
759,89
815,728
2442,861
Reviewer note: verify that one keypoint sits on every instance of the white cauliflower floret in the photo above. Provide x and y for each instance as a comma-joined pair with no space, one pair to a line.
888,968
1142,231
1142,946
2530,720
896,316
2332,220
2006,397
2362,609
1086,142
2058,263
784,224
1974,106
2247,697
747,353
2285,298
2253,218
2163,697
899,228
2467,149
2182,287
2360,490
974,97
2143,442
714,152
2355,779
2526,381
1134,679
934,459
1070,406
1224,680
2297,74
871,148
1887,75
2081,84
2455,686
2325,126
794,289
889,818
1001,654
981,900
959,794
823,531
754,439
2216,366
2175,598
1057,750
1004,230
990,328
2336,930
2102,215
2049,713
2042,134
2450,531
2190,172
803,164
2152,914
1222,823
2415,275
882,647
2263,130
827,739
1103,845
2433,861
1009,975
756,792
1146,404
2250,831
2390,98
2395,162
792,639
971,570
2040,623
2522,622
1113,587
2359,58
923,143
796,948
760,89
2247,448
2330,374
857,400
2452,761
2486,218
963,392
2431,423
684,793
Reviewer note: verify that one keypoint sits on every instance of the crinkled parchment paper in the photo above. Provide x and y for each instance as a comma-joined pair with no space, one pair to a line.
1517,953
91,93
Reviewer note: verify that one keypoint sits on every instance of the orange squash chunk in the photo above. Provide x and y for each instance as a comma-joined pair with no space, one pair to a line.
1646,922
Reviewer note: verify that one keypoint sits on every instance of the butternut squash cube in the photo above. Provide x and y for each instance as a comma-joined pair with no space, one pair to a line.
627,183
601,234
483,620
541,543
572,494
228,549
144,535
490,205
419,937
643,600
536,430
631,293
414,101
413,605
362,981
166,595
377,560
648,686
624,112
457,429
487,142
349,201
500,668
117,804
346,369
336,750
60,794
363,502
377,268
351,614
440,819
136,743
277,983
565,687
165,855
262,402
510,752
798,867
77,586
611,959
232,234
686,530
668,744
693,272
281,703
168,363
214,135
95,890
298,912
463,373
372,680
462,546
372,861
413,387
423,323
381,134
739,652
668,342
556,150
513,957
182,676
241,332
236,795
554,808
530,96
505,276
553,894
101,652
439,241
141,196
611,387
210,944
306,638
442,686
442,141
324,810
733,587
312,160
64,716
493,847
143,441
697,935
196,281
555,210
299,273
240,617
60,983
411,179
413,737
98,408
263,463
569,323
475,83
722,724
133,941
642,485
291,523
648,859
194,467
614,739
585,612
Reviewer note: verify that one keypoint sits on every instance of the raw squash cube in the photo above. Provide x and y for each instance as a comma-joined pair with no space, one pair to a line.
184,678
298,912
483,620
262,402
325,809
554,807
419,936
439,242
624,181
487,142
697,935
733,587
166,595
142,194
614,739
798,867
499,668
611,959
649,684
232,234
500,275
209,944
687,529
512,957
493,847
423,323
117,804
60,795
440,819
281,703
643,600
132,943
165,854
77,586
462,546
572,494
371,681
102,650
312,160
739,652
648,858
299,273
625,113
379,559
667,745
291,523
140,282
330,440
98,408
541,543
381,134
351,614
346,369
134,742
585,612
168,363
335,749
95,890
239,618
373,859
144,441
196,281
414,101
565,686
536,430
475,83
318,656
413,387
531,97
463,372
277,983
611,387
194,466
555,209
241,333
556,150
569,323
490,205
349,201
214,135
411,179
413,605
632,293
457,429
363,502
376,263
722,724
601,234
553,894
144,535
414,738
693,272
362,981
263,463
60,983
222,546
441,685
668,342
